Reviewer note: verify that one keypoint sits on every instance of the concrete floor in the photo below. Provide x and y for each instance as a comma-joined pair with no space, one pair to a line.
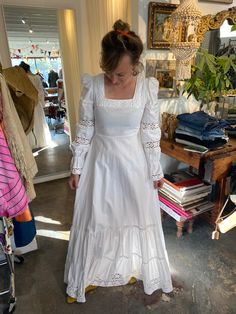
203,270
47,159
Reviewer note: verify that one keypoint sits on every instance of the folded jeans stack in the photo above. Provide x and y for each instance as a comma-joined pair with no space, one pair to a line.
201,130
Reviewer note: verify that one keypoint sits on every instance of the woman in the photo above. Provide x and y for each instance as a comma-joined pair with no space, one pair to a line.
40,136
116,232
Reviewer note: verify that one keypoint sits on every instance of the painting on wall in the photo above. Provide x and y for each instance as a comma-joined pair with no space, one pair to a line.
158,19
163,71
218,1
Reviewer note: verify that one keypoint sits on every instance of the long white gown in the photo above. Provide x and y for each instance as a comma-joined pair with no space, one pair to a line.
116,231
40,136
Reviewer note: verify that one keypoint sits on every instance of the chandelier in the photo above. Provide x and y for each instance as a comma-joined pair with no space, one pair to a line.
182,35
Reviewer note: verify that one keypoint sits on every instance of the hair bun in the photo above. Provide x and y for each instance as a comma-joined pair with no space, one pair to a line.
119,25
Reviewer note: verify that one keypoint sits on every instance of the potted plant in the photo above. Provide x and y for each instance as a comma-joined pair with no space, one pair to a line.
211,78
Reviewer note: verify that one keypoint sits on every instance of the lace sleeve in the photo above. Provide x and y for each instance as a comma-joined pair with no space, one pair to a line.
150,130
85,127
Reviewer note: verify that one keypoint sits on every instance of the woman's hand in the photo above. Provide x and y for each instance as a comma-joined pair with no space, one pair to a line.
158,184
74,181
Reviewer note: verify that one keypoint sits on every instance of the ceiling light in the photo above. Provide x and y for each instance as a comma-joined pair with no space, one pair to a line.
23,21
30,31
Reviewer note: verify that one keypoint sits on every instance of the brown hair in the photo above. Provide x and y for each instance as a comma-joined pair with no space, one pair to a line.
117,43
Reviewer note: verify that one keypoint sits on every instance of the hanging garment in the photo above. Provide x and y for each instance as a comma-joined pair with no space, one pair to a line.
40,135
116,231
24,95
13,198
17,140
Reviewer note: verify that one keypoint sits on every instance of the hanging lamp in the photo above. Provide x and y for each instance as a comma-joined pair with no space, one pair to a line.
183,37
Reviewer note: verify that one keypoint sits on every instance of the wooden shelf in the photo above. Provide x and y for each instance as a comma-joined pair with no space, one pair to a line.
212,166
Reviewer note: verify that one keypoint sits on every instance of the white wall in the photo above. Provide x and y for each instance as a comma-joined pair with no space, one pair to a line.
213,8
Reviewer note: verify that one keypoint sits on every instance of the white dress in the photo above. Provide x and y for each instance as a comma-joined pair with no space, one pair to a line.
40,136
116,232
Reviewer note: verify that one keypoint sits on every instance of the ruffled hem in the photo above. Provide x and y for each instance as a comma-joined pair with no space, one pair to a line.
152,286
109,258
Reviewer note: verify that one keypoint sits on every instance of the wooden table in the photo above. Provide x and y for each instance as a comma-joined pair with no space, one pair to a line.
212,166
52,97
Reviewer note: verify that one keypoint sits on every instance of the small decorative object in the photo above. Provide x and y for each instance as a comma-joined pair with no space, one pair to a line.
163,71
158,18
168,125
227,222
184,42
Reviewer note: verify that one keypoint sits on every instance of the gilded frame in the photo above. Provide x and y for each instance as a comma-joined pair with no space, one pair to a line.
218,1
162,70
158,11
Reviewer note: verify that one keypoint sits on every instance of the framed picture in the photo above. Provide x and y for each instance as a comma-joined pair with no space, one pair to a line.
163,71
218,1
158,15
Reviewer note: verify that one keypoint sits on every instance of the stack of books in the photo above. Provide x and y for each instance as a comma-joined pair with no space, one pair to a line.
184,196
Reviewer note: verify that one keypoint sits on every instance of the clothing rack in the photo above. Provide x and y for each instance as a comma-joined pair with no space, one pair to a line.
7,259
7,262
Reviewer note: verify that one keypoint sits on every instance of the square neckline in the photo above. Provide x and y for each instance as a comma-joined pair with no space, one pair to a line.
119,99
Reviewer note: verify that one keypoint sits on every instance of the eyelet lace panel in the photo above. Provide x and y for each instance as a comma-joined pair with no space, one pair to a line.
150,126
151,145
81,140
157,177
86,123
118,280
76,170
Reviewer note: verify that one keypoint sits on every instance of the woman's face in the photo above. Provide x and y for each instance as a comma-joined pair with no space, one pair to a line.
122,73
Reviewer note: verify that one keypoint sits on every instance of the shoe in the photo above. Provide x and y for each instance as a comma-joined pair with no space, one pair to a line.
70,300
90,288
18,259
132,281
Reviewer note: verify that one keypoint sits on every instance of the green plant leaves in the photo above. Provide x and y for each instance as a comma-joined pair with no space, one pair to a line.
210,76
233,28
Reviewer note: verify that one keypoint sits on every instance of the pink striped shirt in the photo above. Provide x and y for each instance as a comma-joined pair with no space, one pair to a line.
13,198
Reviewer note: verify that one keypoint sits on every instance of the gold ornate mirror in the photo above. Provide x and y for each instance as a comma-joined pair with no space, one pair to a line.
213,22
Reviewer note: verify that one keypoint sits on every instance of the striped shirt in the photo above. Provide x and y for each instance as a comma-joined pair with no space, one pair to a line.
13,198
